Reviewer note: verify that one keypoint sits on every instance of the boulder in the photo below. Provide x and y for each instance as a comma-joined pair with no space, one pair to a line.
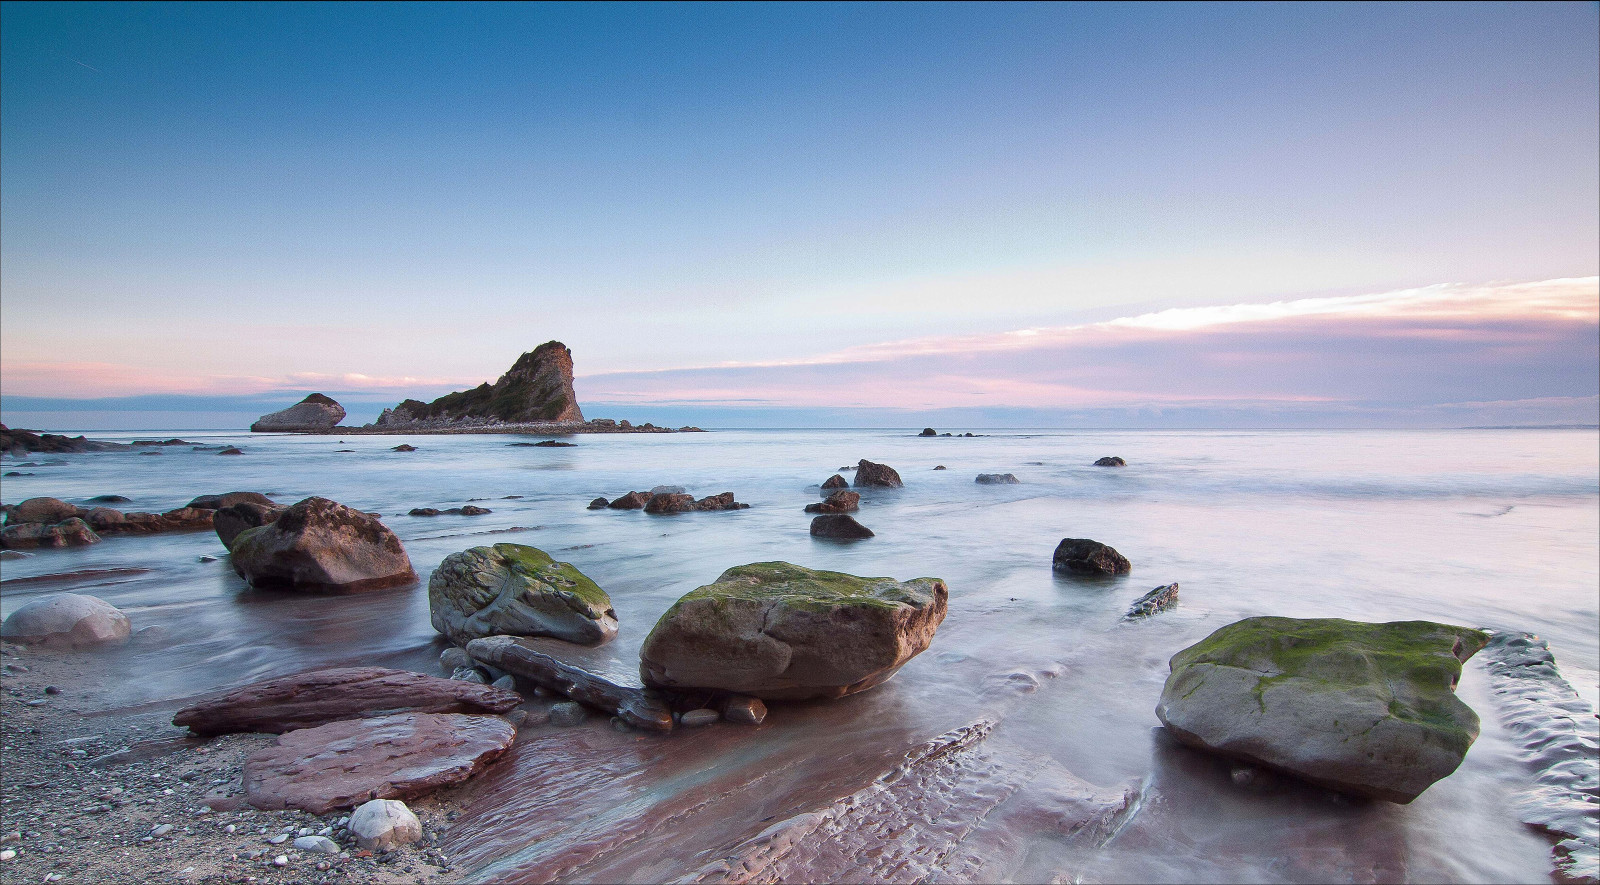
424,511
838,502
45,510
835,482
630,501
994,479
474,510
343,764
321,545
778,631
1365,709
577,674
66,621
517,590
217,502
403,447
1111,461
1089,557
105,519
663,502
313,414
73,532
306,700
598,504
231,450
870,474
229,521
928,431
109,499
384,824
1154,602
743,709
839,527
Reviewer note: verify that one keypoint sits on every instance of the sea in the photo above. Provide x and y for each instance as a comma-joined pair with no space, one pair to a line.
1483,528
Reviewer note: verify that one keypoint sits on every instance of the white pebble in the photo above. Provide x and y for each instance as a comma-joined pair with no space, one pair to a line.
7,854
281,860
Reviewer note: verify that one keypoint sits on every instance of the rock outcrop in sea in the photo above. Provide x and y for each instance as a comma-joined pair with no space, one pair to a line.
321,546
536,389
517,590
869,473
779,631
1089,557
314,414
1365,709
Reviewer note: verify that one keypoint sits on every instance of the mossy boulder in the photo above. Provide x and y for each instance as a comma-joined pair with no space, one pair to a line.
517,590
778,631
1365,709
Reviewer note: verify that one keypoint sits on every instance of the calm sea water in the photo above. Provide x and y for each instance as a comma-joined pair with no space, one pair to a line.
1483,528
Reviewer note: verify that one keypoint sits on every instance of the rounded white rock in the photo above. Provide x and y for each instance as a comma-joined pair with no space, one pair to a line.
383,824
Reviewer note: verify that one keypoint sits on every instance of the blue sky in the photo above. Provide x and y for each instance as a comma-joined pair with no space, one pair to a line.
391,200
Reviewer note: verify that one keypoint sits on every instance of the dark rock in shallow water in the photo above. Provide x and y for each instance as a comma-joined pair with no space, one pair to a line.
1111,461
839,526
991,479
1090,557
235,518
72,532
344,764
742,709
21,442
667,503
322,545
151,452
928,431
585,678
403,447
474,510
870,474
45,510
424,511
598,504
630,501
838,502
1157,600
313,414
517,590
231,450
773,630
217,502
939,467
110,499
835,482
307,700
1366,709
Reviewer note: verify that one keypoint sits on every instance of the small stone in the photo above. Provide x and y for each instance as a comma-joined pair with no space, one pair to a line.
453,659
13,836
317,844
516,717
325,831
744,710
567,714
7,854
281,860
305,831
230,829
208,559
161,831
470,674
702,716
324,866
1241,774
278,839
51,689
507,682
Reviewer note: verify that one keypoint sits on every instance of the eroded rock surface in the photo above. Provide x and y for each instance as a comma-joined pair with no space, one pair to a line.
307,700
517,590
1157,600
1366,709
66,621
779,631
322,545
343,764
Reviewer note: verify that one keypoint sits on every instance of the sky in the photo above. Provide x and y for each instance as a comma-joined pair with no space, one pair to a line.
794,215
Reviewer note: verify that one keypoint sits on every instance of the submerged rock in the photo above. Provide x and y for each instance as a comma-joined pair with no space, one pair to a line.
870,474
403,447
991,479
66,621
1111,461
598,504
1089,557
231,450
343,764
779,631
72,532
570,672
1366,709
839,527
322,545
517,590
315,413
1157,600
306,700
838,502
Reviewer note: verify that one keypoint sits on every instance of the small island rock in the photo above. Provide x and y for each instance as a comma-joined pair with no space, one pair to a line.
992,479
870,474
1089,557
313,414
835,482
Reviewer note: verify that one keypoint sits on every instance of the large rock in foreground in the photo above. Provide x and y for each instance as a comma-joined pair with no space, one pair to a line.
321,545
779,631
307,700
243,516
344,764
67,621
313,414
517,590
1367,709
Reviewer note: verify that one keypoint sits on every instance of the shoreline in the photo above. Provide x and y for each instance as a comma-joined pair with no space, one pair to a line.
519,429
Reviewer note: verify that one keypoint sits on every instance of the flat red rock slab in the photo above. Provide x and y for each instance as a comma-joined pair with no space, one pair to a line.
343,764
306,700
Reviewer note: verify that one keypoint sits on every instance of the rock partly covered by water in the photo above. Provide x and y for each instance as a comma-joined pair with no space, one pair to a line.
838,502
576,674
779,631
871,474
21,442
314,414
537,388
66,621
834,483
839,527
1111,461
1157,600
307,700
1366,709
343,764
45,510
517,590
996,479
72,532
321,545
670,502
1089,557
227,499
229,521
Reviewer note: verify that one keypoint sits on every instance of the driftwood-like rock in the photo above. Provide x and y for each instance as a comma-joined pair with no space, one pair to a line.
307,700
589,679
1157,600
344,764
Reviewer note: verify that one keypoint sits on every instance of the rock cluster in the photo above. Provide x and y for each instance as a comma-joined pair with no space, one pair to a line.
314,414
669,502
1367,709
517,590
51,522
